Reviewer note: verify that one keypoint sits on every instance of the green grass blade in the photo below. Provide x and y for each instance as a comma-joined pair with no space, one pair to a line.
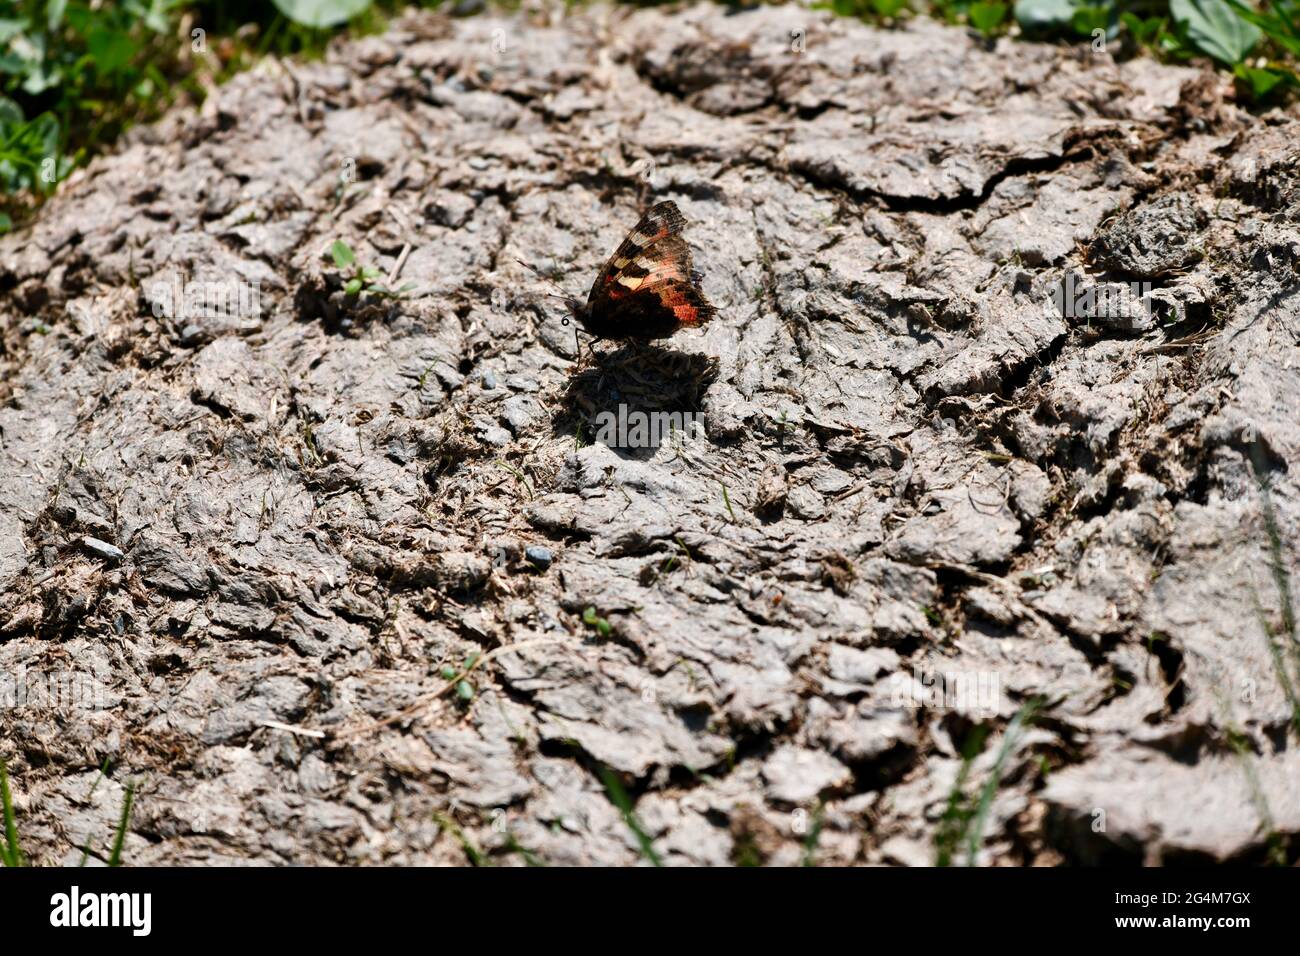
471,850
11,853
956,815
1010,740
103,773
814,837
618,796
115,857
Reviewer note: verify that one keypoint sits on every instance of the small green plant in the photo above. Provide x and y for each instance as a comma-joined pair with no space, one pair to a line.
599,624
465,689
361,279
1146,32
1229,31
29,150
1280,23
73,75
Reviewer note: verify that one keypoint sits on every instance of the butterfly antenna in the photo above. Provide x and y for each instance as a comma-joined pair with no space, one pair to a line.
571,302
559,294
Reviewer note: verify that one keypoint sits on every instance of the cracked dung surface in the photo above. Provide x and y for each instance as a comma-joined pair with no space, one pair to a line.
928,467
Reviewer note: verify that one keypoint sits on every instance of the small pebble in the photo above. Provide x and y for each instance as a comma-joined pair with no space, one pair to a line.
102,549
539,557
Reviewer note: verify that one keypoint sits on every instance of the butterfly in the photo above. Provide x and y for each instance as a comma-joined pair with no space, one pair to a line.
648,288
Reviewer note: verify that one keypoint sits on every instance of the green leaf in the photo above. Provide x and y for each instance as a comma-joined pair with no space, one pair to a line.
465,690
353,287
1213,28
10,28
1088,19
111,50
6,223
54,13
592,619
985,16
1042,15
321,13
888,8
1281,23
342,253
11,114
155,17
1261,81
1144,32
40,79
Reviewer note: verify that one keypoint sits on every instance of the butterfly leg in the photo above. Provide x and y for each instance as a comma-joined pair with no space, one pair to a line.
577,347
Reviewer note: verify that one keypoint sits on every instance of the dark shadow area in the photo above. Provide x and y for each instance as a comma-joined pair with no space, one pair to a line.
634,398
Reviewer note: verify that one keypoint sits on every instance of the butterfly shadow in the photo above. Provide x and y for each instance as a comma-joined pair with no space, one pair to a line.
635,398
